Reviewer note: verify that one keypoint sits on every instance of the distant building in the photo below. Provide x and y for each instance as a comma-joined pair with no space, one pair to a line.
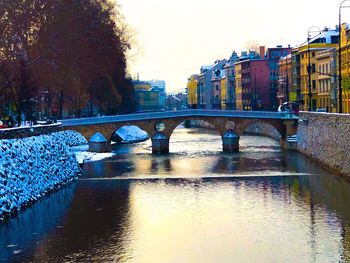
149,96
274,55
284,90
192,90
230,74
219,91
176,101
252,79
205,94
302,56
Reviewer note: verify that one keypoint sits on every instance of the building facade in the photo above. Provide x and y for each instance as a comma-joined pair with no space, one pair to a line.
253,80
284,91
230,74
345,66
274,55
148,97
192,91
205,94
307,54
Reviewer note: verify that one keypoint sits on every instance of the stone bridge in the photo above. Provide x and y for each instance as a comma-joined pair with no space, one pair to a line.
160,125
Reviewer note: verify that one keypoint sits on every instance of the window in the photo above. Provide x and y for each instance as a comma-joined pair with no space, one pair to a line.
313,84
313,54
217,87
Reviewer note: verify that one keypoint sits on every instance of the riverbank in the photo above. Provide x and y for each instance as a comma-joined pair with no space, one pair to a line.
32,167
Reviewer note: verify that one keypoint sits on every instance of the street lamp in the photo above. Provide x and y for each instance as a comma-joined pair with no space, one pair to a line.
311,30
340,97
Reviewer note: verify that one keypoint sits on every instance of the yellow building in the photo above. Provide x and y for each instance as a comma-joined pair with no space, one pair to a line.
223,90
345,66
192,91
326,77
308,55
239,101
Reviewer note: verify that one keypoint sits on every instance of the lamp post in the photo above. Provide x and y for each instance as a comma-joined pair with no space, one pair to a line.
340,96
311,30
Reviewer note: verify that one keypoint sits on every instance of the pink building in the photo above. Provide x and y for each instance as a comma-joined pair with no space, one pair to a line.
255,84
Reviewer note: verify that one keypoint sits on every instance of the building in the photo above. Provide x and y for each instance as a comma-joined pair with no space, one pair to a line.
230,75
284,91
238,80
252,79
159,86
205,94
274,55
218,89
345,66
327,81
192,91
148,97
304,55
176,101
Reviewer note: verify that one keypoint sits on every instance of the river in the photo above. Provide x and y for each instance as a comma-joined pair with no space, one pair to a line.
195,204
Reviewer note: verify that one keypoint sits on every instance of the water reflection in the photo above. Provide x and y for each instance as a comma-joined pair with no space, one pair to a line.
29,227
197,205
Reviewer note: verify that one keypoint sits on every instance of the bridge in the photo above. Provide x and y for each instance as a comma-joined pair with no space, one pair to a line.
160,125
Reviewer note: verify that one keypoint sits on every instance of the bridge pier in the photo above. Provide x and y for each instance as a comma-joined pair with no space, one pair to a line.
230,142
160,143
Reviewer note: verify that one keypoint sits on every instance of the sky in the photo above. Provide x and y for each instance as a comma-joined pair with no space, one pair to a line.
174,38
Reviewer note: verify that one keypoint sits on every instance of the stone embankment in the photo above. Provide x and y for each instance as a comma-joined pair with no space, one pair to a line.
325,137
35,166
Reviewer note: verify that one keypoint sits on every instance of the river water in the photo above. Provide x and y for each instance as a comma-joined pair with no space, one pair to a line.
196,204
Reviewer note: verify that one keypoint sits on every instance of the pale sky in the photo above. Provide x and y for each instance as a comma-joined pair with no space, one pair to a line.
176,37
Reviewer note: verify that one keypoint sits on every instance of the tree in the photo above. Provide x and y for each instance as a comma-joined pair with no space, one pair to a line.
65,53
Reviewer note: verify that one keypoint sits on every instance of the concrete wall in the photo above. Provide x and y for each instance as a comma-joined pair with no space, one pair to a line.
325,137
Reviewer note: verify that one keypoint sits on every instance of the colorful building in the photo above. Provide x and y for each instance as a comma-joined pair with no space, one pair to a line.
230,74
284,91
327,81
219,91
192,91
307,54
253,83
148,97
238,80
345,66
274,55
205,94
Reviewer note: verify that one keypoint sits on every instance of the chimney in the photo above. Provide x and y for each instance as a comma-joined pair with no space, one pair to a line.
262,52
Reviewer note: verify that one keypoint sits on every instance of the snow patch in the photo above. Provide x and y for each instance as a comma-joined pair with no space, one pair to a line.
32,167
131,134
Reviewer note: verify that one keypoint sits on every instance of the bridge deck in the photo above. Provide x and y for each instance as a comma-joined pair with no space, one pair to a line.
177,114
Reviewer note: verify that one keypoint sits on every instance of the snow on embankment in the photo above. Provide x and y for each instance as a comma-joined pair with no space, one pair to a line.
131,134
32,167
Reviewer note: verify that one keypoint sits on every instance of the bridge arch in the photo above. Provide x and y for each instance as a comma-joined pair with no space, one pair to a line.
194,135
263,127
177,124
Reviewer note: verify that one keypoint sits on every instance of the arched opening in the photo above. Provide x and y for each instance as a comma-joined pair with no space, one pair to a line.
130,139
260,136
195,137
